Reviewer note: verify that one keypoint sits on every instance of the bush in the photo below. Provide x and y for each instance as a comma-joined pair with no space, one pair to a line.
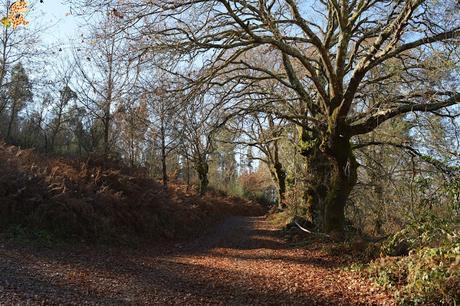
428,273
428,276
430,231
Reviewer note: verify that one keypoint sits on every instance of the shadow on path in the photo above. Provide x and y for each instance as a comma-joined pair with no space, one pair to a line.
241,261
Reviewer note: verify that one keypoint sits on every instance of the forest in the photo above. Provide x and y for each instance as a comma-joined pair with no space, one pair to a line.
241,152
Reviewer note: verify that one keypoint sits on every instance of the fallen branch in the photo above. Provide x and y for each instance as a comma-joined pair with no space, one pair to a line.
308,231
303,229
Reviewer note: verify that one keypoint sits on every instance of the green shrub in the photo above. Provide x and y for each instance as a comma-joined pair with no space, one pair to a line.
431,231
431,274
429,271
428,276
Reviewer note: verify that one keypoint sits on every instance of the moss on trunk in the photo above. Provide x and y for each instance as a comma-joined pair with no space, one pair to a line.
202,169
332,174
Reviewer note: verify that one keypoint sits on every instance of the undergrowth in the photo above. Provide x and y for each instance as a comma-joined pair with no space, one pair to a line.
421,263
44,198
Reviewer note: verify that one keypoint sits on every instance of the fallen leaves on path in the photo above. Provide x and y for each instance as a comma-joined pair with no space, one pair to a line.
242,261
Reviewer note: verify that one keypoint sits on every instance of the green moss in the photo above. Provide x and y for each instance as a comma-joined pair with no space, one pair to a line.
307,142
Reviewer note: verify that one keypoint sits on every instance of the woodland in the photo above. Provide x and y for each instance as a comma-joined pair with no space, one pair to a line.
247,152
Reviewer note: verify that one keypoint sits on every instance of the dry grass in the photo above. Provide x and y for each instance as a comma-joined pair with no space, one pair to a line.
96,199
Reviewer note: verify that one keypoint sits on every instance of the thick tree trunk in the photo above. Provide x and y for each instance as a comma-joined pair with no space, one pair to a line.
332,172
202,169
279,176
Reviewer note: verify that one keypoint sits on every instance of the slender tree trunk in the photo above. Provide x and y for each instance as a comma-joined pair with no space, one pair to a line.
187,162
131,147
280,176
55,133
106,134
45,138
163,157
10,122
132,161
3,61
107,115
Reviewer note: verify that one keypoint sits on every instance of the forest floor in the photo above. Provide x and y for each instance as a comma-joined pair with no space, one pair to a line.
244,260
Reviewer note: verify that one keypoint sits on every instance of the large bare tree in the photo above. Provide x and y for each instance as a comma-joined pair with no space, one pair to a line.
329,54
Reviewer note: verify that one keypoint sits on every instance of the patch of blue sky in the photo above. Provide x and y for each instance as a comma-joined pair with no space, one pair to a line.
61,26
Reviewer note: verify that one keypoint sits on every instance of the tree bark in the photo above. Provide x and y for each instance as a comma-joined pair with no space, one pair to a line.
187,163
106,134
10,122
108,103
279,172
280,178
332,175
56,130
202,169
163,157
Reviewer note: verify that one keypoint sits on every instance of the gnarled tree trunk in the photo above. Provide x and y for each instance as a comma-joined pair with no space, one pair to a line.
280,179
332,175
202,169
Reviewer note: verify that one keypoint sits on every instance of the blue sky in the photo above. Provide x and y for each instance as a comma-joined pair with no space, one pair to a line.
56,13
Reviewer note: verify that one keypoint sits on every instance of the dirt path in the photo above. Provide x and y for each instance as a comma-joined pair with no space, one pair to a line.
242,261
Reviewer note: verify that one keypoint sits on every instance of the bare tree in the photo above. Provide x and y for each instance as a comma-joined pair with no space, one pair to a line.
329,56
105,75
60,106
132,125
164,108
265,133
198,122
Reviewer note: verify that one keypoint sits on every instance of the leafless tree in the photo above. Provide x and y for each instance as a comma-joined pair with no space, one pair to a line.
164,105
198,123
265,133
329,55
105,74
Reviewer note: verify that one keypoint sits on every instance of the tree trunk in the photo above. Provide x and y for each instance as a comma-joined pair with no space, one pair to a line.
10,122
3,67
108,103
202,169
163,162
280,174
281,180
57,128
106,134
332,174
187,163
